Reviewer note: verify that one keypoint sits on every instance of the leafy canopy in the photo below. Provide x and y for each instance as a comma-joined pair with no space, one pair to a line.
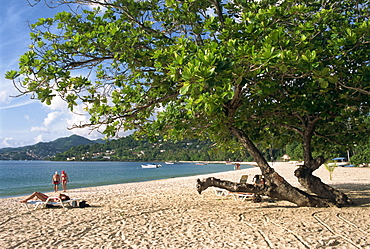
195,68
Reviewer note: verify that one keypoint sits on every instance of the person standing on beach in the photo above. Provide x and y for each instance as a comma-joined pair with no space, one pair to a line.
237,166
55,181
64,180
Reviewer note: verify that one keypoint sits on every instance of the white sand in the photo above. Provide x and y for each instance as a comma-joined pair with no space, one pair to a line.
171,214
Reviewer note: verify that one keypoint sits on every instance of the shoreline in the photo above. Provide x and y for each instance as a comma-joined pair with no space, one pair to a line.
22,191
169,213
339,178
91,188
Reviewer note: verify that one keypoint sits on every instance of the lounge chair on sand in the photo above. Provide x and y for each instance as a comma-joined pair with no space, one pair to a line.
236,195
54,201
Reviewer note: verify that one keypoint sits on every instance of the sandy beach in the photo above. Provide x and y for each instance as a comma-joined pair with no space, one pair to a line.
171,214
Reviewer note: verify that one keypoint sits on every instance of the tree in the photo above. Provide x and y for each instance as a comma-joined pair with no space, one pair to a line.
361,154
239,73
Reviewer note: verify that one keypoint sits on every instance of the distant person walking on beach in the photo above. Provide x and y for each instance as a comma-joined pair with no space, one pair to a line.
64,180
56,181
237,166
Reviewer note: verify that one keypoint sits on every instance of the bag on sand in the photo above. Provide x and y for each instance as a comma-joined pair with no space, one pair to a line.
83,204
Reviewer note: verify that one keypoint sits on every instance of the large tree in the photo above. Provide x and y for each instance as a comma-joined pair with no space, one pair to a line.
237,72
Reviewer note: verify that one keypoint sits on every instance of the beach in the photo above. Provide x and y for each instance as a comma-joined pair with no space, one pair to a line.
171,214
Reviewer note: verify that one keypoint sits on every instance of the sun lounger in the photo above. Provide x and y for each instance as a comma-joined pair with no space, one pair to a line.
36,204
243,179
55,201
221,192
63,203
241,196
238,195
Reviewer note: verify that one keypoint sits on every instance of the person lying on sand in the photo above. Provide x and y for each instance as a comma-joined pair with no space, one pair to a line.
43,197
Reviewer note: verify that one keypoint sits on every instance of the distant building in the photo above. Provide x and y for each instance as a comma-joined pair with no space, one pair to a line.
286,157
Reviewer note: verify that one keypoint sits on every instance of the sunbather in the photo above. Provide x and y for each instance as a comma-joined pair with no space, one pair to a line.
44,197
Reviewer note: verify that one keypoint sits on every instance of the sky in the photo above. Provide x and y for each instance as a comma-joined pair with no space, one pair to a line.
25,121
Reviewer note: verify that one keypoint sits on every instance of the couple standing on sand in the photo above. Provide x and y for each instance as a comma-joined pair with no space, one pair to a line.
60,178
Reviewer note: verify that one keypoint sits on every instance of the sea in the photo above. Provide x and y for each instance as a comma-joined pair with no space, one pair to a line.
20,178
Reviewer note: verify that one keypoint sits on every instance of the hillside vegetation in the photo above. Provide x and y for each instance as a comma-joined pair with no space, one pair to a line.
43,150
129,149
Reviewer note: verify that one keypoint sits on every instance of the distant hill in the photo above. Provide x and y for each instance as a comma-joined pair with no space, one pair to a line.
43,150
130,149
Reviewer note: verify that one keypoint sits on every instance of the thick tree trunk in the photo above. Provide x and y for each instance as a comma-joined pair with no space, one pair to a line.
275,185
313,183
316,186
283,191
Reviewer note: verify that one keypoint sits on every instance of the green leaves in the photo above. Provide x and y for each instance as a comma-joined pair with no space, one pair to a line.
323,83
309,56
11,75
184,89
173,67
45,95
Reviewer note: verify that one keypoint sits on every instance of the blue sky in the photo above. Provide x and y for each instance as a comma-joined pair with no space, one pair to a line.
24,121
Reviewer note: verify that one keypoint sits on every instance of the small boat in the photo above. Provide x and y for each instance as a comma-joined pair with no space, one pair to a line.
150,165
172,162
201,163
340,161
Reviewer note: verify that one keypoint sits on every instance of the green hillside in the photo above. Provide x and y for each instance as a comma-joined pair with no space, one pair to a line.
129,149
43,150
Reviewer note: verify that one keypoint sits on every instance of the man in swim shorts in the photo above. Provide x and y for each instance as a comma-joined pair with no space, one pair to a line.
55,181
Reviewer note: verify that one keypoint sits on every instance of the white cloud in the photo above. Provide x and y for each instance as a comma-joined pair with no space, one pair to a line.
79,117
17,105
4,97
51,117
40,129
93,6
7,142
58,121
13,142
57,104
49,124
38,139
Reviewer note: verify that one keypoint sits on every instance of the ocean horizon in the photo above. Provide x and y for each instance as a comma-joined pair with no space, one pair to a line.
20,178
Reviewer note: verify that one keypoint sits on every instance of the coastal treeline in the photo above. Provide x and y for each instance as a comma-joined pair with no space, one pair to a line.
130,149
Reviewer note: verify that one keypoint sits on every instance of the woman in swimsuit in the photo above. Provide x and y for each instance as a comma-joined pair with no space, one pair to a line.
64,180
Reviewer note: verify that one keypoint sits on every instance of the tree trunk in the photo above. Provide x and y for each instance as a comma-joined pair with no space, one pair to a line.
316,186
311,182
282,191
275,186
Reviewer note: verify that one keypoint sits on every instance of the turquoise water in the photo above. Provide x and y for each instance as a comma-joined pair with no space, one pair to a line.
18,178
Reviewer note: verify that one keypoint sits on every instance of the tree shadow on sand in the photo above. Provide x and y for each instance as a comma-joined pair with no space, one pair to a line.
358,193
